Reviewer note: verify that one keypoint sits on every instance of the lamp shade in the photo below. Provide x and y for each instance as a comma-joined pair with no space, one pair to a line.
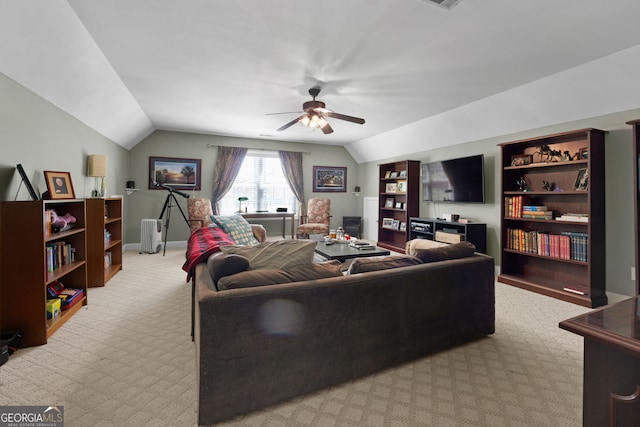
97,165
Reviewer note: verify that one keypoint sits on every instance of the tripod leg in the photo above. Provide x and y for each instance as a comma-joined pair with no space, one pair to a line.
167,205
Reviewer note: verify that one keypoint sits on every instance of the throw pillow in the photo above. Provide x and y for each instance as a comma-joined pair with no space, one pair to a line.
364,265
237,227
275,254
414,244
454,251
221,265
274,276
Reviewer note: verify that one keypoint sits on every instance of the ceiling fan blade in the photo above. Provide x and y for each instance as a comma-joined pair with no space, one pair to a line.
292,122
327,129
345,117
285,112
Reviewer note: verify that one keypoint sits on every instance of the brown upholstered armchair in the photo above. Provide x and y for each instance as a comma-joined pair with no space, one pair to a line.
200,211
316,221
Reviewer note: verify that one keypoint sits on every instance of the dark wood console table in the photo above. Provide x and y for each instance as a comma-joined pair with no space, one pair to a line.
611,395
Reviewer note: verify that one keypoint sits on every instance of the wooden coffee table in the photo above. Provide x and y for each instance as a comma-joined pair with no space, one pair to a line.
343,252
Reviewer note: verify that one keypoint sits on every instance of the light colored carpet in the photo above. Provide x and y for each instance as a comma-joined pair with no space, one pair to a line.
127,359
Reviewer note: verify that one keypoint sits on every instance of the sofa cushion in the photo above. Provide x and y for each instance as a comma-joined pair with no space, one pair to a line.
274,276
364,265
412,245
221,265
237,227
449,251
275,254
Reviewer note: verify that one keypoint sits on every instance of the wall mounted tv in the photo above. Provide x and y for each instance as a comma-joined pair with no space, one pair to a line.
458,180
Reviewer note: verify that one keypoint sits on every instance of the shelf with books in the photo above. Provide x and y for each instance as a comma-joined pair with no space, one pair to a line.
104,236
555,200
24,270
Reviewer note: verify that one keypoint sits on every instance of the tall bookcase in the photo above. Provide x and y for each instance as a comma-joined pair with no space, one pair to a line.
635,124
24,240
104,239
399,194
561,255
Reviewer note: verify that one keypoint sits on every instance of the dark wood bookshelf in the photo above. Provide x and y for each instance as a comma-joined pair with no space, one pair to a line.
395,239
580,281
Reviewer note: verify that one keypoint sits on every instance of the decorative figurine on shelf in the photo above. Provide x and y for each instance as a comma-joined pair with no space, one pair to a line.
548,186
566,156
543,153
61,223
554,155
521,183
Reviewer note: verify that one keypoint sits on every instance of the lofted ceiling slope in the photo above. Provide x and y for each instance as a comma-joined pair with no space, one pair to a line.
128,67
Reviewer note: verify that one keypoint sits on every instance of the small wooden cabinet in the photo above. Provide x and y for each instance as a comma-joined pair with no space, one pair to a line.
104,239
427,228
399,193
25,273
553,216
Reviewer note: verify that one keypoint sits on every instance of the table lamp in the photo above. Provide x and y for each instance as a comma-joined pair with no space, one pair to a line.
240,200
97,168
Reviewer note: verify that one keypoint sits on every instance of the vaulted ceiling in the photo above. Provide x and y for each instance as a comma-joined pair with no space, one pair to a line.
128,67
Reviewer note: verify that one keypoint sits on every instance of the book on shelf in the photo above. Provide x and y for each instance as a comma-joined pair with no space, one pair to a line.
531,208
573,217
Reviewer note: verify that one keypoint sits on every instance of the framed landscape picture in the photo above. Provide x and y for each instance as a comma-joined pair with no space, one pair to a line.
178,173
329,179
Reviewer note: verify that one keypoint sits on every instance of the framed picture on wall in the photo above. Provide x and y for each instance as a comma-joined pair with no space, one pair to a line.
177,173
329,179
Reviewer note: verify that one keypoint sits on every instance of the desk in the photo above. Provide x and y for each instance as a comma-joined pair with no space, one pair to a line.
273,215
611,395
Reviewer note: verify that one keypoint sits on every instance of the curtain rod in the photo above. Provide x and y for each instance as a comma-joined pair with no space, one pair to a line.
261,149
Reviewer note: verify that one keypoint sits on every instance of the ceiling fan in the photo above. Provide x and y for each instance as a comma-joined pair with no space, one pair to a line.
315,114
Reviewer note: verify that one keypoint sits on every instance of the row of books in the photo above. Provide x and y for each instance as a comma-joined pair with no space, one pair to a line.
566,245
514,208
58,254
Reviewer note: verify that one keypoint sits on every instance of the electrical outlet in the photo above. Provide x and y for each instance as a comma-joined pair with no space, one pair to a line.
633,273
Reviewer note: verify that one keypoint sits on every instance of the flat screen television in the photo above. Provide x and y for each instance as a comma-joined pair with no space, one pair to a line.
458,180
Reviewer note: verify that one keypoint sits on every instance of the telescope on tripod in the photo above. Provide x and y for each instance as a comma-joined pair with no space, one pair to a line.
166,208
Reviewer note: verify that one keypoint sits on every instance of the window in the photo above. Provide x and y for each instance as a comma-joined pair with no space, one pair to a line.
262,181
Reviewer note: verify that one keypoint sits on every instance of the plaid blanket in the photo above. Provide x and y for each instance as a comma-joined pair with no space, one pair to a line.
202,243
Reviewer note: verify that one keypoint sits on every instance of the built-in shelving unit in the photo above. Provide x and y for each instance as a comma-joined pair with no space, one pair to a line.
104,239
561,255
26,234
399,192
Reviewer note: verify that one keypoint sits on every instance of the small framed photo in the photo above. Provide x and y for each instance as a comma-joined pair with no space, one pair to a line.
387,222
389,202
396,224
402,186
521,160
403,173
398,205
27,183
394,175
59,185
583,154
387,174
391,187
582,180
403,226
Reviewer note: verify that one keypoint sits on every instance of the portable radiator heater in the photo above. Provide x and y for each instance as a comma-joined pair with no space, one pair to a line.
150,236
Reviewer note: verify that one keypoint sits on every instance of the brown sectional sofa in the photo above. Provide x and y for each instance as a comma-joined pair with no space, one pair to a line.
259,346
